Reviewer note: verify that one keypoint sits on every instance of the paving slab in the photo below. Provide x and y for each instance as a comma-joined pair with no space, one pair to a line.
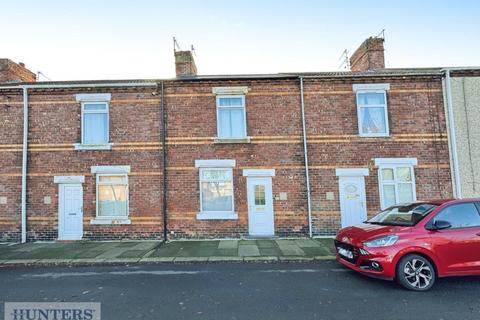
132,254
228,244
306,243
266,243
275,251
248,250
291,250
226,252
146,245
113,253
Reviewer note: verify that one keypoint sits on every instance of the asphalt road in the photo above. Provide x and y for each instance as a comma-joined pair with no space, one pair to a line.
322,290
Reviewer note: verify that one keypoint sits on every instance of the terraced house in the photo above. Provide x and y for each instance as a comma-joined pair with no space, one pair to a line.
196,156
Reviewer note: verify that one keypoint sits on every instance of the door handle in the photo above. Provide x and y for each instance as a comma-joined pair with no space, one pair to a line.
72,214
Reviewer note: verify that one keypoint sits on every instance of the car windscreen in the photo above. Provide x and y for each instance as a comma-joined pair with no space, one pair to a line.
403,215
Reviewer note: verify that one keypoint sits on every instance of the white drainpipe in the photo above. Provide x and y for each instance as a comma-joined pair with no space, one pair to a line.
305,152
453,138
24,164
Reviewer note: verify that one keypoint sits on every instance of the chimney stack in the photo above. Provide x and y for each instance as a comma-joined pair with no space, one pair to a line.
185,64
369,56
13,72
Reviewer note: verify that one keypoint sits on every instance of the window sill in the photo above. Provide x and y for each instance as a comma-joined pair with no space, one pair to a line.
217,216
105,146
386,135
112,221
232,140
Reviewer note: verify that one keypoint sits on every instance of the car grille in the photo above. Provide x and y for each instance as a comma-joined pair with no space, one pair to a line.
349,247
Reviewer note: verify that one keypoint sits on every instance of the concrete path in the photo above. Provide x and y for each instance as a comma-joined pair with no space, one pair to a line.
121,252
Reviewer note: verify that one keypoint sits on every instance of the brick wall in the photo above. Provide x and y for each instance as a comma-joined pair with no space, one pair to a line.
369,55
416,121
14,72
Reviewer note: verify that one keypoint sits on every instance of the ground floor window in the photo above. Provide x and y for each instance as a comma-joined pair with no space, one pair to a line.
216,189
396,181
112,195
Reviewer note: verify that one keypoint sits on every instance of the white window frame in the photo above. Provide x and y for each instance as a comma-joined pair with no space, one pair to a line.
359,115
216,164
111,171
218,97
93,98
112,219
106,111
394,163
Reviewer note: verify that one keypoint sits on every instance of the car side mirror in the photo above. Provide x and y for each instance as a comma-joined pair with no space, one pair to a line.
440,225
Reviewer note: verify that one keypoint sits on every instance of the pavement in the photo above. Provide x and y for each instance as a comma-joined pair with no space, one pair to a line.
226,291
122,252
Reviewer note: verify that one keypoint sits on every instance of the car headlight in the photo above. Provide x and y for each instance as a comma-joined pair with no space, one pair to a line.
382,242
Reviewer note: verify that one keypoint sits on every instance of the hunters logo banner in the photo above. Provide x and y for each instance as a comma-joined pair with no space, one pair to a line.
52,311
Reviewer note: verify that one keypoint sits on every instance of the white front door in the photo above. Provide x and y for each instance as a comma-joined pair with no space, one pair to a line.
260,206
352,200
70,212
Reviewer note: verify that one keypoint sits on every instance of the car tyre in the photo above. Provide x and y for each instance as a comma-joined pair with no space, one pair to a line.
415,272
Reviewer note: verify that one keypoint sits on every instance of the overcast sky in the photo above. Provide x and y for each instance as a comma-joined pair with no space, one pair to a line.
108,39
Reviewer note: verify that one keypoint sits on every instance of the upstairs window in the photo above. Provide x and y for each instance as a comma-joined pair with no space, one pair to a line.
95,123
231,119
372,113
372,109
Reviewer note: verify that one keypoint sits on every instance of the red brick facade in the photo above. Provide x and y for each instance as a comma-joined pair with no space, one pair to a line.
417,130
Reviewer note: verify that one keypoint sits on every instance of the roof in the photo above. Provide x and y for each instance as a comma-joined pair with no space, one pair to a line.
387,72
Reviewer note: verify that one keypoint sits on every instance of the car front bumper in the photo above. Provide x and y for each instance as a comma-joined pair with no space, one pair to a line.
377,263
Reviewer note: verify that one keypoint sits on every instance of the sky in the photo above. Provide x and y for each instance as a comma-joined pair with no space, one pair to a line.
108,39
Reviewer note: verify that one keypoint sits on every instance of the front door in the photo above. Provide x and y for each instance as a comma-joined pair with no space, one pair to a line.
352,200
70,212
260,206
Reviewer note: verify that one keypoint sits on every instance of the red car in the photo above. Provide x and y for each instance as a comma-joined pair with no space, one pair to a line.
415,243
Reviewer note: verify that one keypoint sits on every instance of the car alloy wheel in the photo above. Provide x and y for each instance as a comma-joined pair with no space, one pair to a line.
415,272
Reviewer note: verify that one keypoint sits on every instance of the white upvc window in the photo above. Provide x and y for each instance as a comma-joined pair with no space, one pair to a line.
112,196
372,111
396,181
216,189
231,117
95,123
